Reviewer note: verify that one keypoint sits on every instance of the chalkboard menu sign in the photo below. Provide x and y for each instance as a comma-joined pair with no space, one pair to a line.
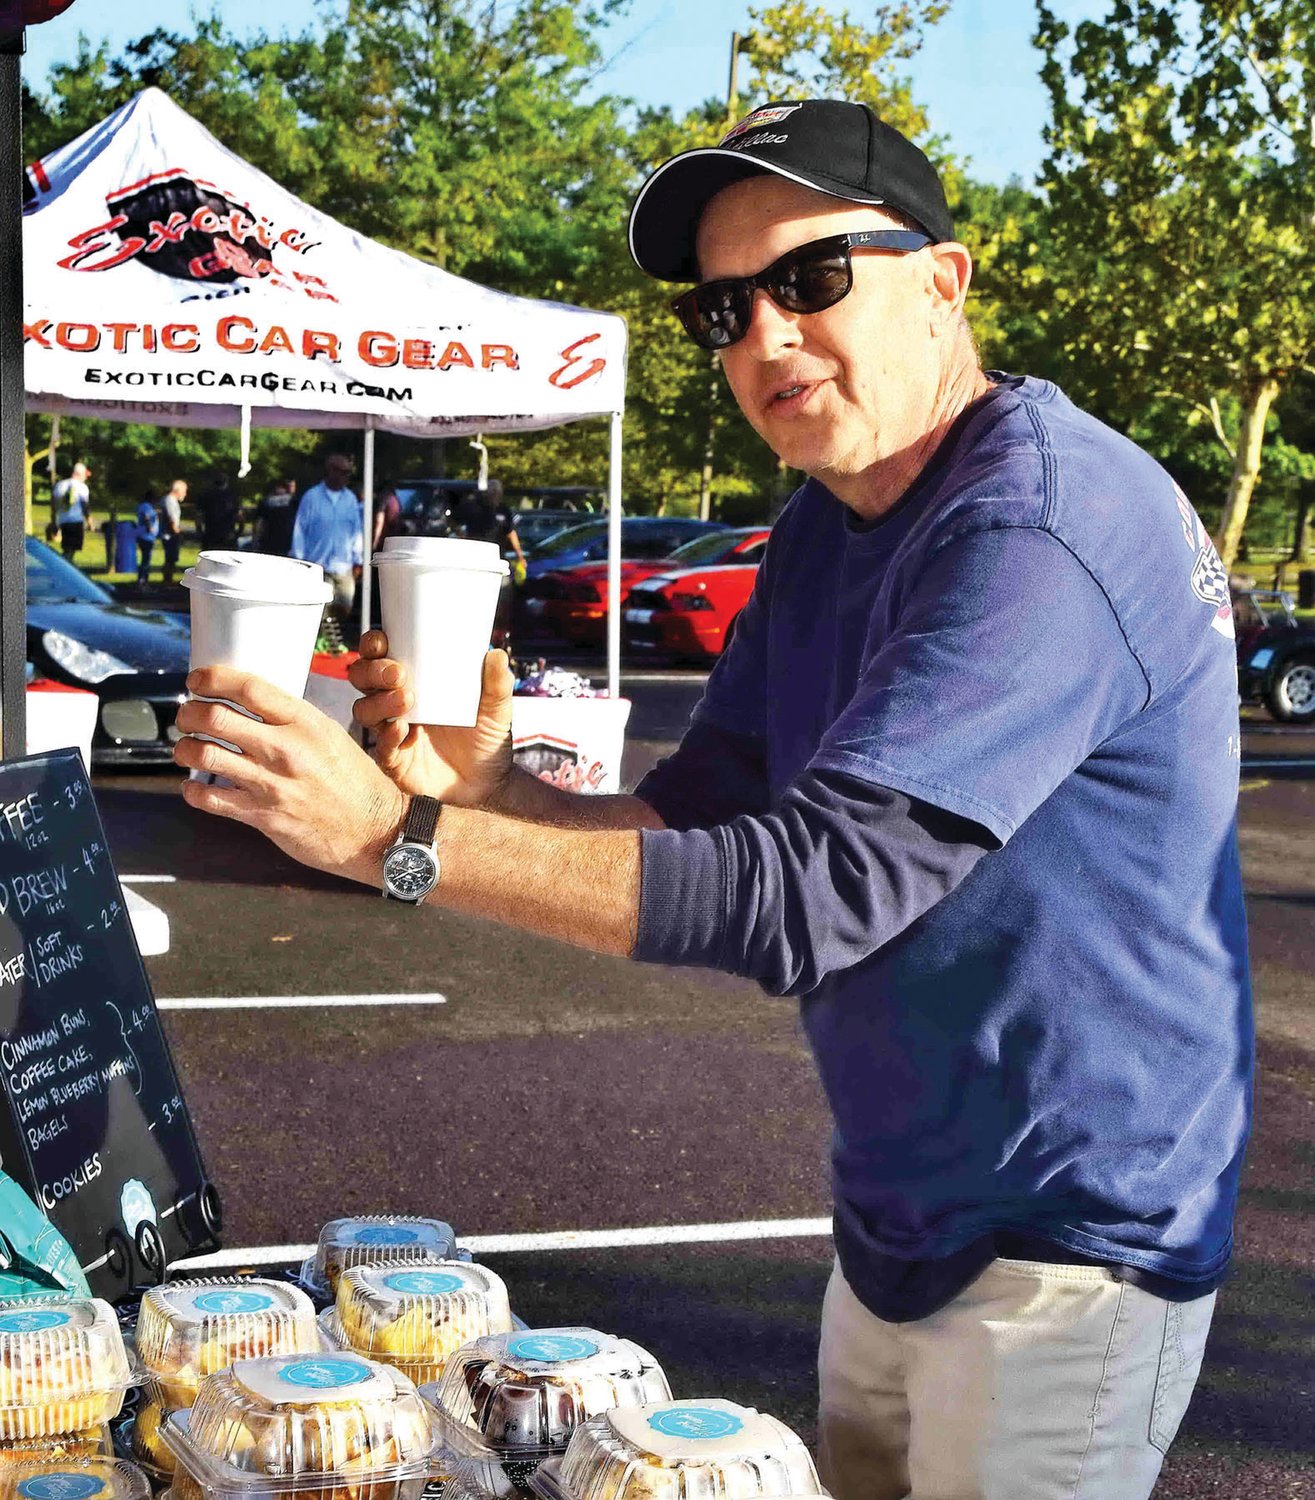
95,1128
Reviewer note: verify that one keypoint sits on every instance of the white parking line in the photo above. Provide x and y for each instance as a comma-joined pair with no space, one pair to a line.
293,1002
149,879
563,1239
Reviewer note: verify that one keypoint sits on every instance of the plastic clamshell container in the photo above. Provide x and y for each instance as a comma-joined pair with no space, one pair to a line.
372,1238
522,1395
417,1316
187,1330
147,1443
680,1450
94,1442
309,1425
63,1366
72,1479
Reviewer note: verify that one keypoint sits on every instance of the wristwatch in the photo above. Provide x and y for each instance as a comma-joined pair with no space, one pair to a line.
411,866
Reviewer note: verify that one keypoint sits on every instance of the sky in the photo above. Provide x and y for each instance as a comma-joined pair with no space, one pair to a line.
976,73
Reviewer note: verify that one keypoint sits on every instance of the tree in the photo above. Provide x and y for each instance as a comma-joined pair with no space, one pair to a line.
1181,200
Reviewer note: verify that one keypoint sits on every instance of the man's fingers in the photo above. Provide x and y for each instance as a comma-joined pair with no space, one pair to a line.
379,708
201,716
374,643
389,740
377,675
223,801
242,770
499,679
247,690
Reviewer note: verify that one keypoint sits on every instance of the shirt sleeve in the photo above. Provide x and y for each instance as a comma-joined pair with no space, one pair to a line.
300,525
1005,669
836,870
714,776
357,539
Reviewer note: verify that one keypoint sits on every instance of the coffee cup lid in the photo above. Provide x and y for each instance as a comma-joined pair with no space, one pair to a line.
259,575
442,552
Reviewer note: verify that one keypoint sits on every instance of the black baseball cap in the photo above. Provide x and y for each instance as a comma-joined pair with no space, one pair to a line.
828,144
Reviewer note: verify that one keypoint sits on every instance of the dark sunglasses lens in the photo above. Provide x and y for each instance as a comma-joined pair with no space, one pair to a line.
812,280
716,316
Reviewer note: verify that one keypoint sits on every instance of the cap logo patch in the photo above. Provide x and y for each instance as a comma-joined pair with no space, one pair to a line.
773,114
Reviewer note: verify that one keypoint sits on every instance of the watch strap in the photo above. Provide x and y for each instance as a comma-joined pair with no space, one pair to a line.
421,824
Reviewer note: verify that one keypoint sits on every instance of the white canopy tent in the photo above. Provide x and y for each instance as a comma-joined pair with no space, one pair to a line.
168,281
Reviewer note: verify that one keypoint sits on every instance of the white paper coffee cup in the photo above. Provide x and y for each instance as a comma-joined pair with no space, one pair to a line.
257,613
438,597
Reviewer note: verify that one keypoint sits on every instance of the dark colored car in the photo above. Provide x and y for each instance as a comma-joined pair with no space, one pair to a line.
1275,655
133,659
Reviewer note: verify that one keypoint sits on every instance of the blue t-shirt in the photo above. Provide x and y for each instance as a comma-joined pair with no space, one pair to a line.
1037,639
148,522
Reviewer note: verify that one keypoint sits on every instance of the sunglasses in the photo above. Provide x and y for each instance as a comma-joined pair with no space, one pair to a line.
807,279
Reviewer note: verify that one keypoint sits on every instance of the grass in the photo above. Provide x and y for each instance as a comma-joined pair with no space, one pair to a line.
91,559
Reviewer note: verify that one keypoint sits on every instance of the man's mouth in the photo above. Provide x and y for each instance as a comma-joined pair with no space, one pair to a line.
791,396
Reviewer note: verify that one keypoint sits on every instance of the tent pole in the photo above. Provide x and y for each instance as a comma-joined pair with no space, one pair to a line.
367,523
13,629
614,560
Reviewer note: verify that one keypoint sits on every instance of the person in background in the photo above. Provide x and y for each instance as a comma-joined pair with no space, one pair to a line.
171,526
328,531
484,516
148,531
387,516
275,516
70,501
219,514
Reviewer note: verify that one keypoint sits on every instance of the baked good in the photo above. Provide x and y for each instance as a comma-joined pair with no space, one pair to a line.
416,1316
307,1425
63,1366
529,1390
103,1478
94,1442
187,1330
681,1448
371,1238
148,1444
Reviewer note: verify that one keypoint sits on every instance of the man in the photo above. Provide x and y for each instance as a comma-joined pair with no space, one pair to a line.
483,515
387,516
220,514
171,526
965,781
275,516
70,502
148,532
328,531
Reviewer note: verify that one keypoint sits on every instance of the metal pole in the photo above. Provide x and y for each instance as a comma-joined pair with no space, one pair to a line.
614,560
367,523
13,601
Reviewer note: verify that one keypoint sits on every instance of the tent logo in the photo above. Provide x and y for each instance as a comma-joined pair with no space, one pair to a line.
186,229
567,377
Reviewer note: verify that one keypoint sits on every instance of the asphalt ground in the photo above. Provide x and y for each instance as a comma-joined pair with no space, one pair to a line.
558,1090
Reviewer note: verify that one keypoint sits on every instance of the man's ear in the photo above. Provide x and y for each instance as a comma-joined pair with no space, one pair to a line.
952,273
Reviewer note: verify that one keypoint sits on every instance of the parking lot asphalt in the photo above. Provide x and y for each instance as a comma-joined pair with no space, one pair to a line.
558,1090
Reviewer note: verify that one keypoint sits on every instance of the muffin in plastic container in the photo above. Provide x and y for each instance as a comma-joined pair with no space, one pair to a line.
92,1442
313,1426
417,1316
73,1479
372,1238
509,1401
680,1450
187,1330
64,1367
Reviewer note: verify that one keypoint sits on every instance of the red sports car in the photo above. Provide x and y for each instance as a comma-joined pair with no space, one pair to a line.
574,600
690,612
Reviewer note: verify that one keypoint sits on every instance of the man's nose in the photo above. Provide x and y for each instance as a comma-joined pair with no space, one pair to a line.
771,328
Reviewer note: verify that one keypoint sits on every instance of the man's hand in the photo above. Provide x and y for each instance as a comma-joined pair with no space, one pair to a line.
465,767
300,779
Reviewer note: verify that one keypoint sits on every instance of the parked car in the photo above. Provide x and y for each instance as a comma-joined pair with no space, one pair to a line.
133,659
690,612
641,537
574,600
1275,655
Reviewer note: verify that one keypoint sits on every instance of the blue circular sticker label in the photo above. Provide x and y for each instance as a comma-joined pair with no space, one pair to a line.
36,1321
551,1347
325,1374
424,1283
385,1234
61,1487
699,1422
233,1302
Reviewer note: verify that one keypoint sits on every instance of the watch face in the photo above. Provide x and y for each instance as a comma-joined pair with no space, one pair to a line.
410,871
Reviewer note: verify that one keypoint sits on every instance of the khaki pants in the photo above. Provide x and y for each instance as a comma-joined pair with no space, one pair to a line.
1037,1382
